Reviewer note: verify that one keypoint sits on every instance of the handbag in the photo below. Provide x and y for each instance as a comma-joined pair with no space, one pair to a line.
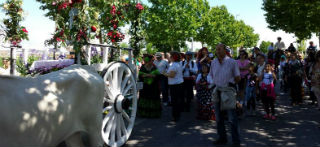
226,98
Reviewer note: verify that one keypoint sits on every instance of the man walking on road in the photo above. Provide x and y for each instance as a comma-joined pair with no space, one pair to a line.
225,74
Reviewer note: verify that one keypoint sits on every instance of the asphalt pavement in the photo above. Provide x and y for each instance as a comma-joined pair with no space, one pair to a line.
294,126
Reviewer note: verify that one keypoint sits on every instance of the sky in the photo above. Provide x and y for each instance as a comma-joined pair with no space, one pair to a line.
40,28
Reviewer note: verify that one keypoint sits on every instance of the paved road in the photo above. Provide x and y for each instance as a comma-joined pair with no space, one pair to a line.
295,126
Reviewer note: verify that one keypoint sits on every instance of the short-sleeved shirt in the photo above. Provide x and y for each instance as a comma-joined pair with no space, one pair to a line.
267,78
279,45
178,78
192,70
242,65
161,65
224,73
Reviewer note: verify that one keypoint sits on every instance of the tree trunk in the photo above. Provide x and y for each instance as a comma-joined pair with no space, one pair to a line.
54,51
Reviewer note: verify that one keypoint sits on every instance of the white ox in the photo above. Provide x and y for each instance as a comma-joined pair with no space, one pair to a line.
52,108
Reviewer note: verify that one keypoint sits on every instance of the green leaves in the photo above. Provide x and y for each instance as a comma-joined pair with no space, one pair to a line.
15,33
294,16
264,46
218,25
172,22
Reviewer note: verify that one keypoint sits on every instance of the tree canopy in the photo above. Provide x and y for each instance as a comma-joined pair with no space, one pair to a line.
173,22
295,16
264,46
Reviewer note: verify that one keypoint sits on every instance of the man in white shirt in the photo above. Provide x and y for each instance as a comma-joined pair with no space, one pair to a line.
189,74
162,66
225,73
279,45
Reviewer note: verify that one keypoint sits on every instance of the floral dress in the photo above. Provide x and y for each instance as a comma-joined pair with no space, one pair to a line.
205,103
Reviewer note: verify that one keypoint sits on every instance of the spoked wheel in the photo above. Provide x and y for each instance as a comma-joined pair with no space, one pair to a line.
120,104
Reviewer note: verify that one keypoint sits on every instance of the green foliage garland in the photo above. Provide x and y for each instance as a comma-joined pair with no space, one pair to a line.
15,33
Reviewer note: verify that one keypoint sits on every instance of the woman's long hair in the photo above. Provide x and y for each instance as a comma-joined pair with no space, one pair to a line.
200,55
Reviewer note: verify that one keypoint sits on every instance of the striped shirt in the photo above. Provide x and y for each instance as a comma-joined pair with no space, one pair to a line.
224,73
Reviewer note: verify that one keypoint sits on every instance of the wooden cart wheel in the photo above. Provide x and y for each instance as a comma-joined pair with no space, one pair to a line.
120,104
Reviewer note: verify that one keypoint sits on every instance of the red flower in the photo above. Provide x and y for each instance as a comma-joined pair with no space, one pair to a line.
139,6
58,39
119,12
115,26
112,40
113,10
93,29
110,33
14,43
25,30
61,33
63,5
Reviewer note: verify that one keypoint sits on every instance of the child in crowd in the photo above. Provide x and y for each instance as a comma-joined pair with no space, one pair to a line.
250,97
281,71
267,92
204,90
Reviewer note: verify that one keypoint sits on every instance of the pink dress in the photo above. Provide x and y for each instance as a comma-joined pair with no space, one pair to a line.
243,64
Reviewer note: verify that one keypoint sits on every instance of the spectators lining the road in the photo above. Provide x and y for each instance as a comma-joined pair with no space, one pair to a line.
258,74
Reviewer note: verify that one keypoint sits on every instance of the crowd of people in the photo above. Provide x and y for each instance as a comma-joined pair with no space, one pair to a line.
225,85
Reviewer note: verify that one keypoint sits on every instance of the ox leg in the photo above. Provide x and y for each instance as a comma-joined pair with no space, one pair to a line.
95,137
75,140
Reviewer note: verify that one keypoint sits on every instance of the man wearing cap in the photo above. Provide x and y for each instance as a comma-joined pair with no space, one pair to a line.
162,66
189,73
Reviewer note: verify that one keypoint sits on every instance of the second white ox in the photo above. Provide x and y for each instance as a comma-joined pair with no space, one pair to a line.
49,109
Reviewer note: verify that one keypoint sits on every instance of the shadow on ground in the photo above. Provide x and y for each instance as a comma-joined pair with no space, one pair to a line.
295,126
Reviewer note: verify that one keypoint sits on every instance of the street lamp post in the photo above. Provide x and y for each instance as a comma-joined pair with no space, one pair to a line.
12,60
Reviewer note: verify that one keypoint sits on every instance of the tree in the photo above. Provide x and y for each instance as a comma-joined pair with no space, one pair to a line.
150,49
295,16
302,46
202,17
223,27
170,23
264,46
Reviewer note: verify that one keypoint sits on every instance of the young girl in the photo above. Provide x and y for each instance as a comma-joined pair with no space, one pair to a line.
250,97
268,95
205,104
